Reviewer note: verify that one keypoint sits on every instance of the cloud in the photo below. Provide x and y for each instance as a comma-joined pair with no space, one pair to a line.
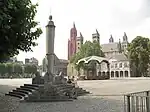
146,8
132,17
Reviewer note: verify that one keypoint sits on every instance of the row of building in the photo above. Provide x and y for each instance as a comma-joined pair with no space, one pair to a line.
32,61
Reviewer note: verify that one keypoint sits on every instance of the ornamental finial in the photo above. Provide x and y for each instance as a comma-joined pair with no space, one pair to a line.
50,17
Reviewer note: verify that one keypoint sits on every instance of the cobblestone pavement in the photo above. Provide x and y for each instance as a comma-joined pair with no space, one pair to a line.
80,105
9,104
99,103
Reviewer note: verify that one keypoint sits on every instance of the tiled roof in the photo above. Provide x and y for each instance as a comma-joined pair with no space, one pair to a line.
119,57
110,47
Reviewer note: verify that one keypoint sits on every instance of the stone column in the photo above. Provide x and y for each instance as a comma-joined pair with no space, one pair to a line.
123,74
50,34
108,69
119,73
129,75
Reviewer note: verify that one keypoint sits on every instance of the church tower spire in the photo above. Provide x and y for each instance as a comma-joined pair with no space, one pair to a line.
81,36
125,38
120,46
125,42
96,36
73,32
74,26
72,41
111,39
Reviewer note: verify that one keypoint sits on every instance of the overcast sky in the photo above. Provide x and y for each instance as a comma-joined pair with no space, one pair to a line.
108,16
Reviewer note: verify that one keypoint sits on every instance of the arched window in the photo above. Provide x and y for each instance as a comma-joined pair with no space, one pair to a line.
125,64
120,65
112,65
126,74
112,73
121,73
115,65
117,73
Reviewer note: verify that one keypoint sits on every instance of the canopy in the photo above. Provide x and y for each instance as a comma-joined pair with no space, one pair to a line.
93,58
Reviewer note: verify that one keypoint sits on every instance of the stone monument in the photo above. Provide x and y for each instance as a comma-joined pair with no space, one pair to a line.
54,86
50,35
51,87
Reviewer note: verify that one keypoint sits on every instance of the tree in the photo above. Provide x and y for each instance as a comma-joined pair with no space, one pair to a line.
87,49
18,70
138,54
2,69
30,69
33,69
18,30
9,69
27,69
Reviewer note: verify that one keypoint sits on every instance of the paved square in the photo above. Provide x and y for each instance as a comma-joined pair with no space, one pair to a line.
104,96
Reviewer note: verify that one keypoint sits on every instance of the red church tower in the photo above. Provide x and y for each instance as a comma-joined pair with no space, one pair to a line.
72,42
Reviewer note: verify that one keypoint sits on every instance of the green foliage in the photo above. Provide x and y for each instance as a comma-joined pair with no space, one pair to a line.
138,53
87,49
18,69
3,69
9,68
30,69
18,30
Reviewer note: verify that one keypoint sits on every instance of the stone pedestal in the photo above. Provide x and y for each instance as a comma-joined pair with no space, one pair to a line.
53,88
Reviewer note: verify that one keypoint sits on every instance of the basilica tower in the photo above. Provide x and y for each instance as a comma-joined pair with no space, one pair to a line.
79,42
96,36
72,42
111,39
124,42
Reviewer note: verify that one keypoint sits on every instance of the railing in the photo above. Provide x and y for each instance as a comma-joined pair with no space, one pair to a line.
137,102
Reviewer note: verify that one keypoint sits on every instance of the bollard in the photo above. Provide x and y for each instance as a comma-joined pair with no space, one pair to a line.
147,101
128,103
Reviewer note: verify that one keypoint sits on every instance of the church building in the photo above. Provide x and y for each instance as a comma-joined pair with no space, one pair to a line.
74,43
114,52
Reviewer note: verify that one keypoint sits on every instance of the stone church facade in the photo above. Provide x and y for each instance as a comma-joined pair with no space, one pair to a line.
114,52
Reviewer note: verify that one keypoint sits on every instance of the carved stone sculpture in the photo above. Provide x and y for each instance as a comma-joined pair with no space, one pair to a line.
38,79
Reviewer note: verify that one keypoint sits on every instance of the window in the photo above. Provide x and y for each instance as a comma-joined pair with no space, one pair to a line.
116,65
78,43
125,65
112,65
120,65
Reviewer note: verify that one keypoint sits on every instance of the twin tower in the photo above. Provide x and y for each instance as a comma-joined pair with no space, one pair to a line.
75,42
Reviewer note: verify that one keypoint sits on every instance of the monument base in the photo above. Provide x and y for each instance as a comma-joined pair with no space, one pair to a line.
59,92
48,91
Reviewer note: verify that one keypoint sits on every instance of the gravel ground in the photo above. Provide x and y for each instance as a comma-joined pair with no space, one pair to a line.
83,104
10,104
80,105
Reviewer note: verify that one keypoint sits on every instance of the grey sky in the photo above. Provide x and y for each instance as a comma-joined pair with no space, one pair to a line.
108,16
131,19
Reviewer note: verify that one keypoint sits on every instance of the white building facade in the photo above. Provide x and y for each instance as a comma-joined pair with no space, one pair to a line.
115,53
